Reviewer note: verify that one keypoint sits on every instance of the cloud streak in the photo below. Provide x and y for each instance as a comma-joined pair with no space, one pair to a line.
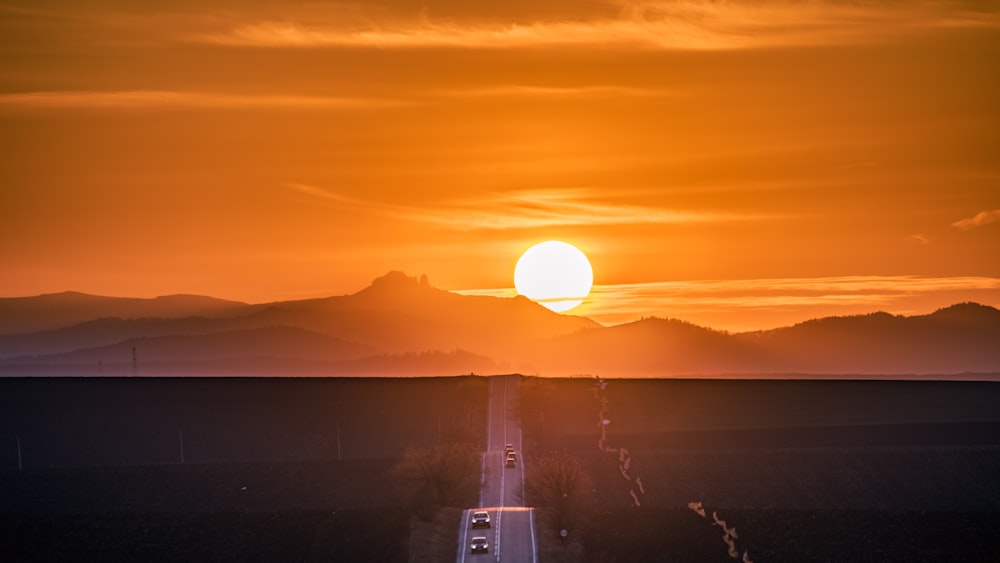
980,219
529,209
162,99
579,92
726,304
663,25
548,208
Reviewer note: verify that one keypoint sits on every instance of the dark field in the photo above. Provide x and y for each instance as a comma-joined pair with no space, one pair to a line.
805,471
261,479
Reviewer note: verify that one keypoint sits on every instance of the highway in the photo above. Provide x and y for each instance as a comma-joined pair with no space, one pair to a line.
512,532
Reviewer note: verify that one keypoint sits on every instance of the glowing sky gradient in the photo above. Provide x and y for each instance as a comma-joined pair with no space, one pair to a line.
738,164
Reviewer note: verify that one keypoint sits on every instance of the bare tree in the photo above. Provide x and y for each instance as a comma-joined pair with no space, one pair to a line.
445,475
559,483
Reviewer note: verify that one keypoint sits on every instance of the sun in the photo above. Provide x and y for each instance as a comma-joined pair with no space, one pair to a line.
554,274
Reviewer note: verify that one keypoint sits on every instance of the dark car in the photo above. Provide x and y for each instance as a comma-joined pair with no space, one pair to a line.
479,545
511,460
481,519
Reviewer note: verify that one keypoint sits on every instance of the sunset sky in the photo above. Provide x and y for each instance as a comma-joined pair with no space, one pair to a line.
741,165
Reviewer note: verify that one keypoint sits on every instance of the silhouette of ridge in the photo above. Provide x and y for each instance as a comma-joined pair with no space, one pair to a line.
400,325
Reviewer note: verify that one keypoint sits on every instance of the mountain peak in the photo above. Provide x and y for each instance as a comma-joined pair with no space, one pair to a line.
396,279
395,287
967,313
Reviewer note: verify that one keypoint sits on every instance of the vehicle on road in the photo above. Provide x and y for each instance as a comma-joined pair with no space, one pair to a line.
508,448
481,519
511,460
479,545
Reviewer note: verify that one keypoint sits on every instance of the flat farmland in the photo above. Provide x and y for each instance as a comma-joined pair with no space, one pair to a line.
78,422
805,470
273,469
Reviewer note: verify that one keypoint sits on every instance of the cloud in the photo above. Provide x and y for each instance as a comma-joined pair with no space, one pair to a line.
978,220
547,208
740,305
574,92
680,25
920,239
166,99
322,193
162,99
527,209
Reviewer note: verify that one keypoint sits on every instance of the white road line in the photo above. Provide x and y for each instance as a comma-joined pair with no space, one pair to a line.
463,542
496,540
534,548
482,478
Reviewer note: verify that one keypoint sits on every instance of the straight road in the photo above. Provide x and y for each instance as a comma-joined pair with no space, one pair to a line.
512,532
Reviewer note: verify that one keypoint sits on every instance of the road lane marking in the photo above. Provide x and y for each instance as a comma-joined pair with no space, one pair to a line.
463,544
482,478
534,548
496,540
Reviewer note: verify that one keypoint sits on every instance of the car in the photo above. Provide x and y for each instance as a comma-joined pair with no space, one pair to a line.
511,460
481,519
479,545
508,448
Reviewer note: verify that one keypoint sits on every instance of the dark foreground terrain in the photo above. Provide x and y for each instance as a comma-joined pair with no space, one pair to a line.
273,469
802,470
122,469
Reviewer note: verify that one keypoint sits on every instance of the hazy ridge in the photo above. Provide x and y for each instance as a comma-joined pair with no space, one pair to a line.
403,326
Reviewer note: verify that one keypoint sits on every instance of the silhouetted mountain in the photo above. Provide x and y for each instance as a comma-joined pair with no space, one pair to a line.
645,348
269,342
397,319
401,325
400,313
960,338
100,332
58,310
963,338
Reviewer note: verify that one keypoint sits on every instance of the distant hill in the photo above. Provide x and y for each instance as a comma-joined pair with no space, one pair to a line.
58,310
963,338
400,325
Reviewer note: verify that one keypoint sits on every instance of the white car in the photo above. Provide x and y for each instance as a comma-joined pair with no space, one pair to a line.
480,545
481,519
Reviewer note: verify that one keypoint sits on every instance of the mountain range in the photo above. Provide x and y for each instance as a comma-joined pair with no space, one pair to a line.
401,325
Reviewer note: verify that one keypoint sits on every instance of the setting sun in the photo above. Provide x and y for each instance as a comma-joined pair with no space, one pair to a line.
554,274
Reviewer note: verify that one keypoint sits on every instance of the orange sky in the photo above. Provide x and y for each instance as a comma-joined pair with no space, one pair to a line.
737,164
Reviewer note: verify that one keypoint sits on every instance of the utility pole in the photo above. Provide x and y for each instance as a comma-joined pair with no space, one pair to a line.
180,440
338,441
20,463
135,363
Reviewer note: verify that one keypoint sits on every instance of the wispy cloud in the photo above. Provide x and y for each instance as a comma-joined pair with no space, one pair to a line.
692,24
162,99
530,209
323,193
740,305
166,99
575,92
978,220
548,208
